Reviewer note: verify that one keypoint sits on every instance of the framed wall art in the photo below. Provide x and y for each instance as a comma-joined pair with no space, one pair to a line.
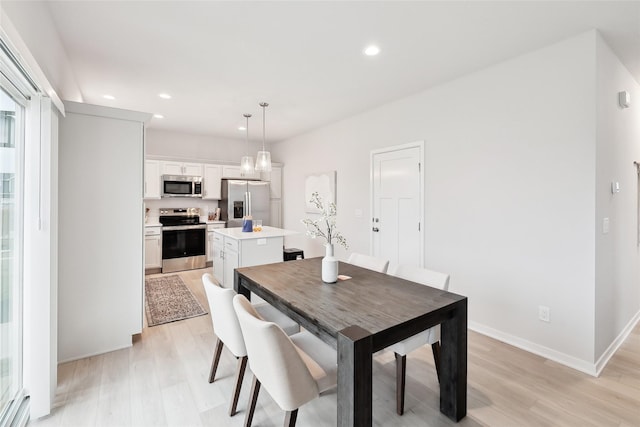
324,183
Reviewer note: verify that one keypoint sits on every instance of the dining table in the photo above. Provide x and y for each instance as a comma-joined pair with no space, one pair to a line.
364,312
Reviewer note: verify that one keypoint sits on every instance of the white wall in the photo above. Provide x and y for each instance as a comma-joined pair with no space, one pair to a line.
617,287
509,199
197,147
37,30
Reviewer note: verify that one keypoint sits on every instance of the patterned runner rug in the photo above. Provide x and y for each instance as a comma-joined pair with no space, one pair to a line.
168,299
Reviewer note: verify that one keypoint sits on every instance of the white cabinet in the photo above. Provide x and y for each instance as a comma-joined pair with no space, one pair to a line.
275,188
212,176
181,168
275,181
151,179
232,249
236,173
211,240
231,261
152,247
218,257
210,246
193,169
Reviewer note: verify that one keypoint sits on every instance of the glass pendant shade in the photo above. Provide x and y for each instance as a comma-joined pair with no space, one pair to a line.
246,165
263,160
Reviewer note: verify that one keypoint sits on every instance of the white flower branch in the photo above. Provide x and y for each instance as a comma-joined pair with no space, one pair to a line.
327,219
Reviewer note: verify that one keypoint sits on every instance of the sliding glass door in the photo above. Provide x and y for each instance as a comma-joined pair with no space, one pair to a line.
11,251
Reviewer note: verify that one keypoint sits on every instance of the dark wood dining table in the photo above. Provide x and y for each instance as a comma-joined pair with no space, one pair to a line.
362,315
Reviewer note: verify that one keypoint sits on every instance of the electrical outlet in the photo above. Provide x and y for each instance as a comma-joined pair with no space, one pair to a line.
544,313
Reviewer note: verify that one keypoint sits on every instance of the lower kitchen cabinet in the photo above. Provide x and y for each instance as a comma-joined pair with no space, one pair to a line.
210,239
152,247
233,249
225,259
231,262
218,257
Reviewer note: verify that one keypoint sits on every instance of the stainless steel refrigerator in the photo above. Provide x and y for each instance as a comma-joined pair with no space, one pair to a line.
240,198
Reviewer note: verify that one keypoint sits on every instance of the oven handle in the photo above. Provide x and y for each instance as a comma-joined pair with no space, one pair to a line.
184,227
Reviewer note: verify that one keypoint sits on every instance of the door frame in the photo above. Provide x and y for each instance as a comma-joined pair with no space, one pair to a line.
416,144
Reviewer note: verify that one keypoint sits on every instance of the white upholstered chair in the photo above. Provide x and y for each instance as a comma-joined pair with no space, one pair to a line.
227,329
369,262
294,370
430,336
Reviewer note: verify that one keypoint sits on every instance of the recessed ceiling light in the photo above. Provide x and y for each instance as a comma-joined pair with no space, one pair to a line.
109,97
158,116
372,50
164,95
242,128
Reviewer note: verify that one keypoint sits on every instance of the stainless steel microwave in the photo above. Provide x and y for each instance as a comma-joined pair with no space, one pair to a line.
181,186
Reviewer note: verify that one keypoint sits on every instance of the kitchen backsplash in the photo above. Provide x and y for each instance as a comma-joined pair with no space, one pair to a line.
155,205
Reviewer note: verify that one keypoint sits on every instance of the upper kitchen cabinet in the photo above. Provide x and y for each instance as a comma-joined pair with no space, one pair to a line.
275,179
212,177
235,173
180,168
151,179
275,189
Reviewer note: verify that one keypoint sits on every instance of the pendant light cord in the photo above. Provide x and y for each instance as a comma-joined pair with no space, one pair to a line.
247,134
263,105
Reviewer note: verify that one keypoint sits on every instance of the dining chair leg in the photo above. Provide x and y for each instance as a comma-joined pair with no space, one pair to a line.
401,374
216,360
435,348
242,365
290,418
253,399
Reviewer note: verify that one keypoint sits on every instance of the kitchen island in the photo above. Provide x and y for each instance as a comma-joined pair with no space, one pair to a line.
233,248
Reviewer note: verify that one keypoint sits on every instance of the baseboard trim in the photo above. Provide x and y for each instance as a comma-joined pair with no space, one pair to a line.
615,345
97,353
540,350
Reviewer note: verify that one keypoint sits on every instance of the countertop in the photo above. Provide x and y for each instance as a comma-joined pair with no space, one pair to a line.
267,232
157,224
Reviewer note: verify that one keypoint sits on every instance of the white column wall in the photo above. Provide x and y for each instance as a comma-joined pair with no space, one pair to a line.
617,287
509,199
101,219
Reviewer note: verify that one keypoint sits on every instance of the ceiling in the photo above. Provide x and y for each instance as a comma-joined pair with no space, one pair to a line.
219,59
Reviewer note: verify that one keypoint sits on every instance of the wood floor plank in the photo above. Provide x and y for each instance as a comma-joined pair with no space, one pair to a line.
162,380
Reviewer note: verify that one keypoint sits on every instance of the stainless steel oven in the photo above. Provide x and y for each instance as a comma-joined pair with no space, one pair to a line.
184,239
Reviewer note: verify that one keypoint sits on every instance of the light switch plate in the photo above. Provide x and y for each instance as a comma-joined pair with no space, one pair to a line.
605,225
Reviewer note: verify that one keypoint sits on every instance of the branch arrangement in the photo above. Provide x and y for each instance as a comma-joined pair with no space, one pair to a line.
325,225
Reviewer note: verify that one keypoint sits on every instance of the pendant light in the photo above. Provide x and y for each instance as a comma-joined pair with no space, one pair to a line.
263,160
246,164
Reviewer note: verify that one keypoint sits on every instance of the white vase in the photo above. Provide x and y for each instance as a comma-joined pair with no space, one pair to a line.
329,265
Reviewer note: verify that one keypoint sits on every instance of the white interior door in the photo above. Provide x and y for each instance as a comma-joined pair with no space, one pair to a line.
397,231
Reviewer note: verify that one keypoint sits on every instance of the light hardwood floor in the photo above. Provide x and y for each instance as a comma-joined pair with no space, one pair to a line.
162,381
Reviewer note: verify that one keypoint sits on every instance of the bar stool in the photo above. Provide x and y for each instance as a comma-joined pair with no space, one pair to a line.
292,254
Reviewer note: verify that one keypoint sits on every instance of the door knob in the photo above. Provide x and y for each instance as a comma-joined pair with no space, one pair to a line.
376,229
